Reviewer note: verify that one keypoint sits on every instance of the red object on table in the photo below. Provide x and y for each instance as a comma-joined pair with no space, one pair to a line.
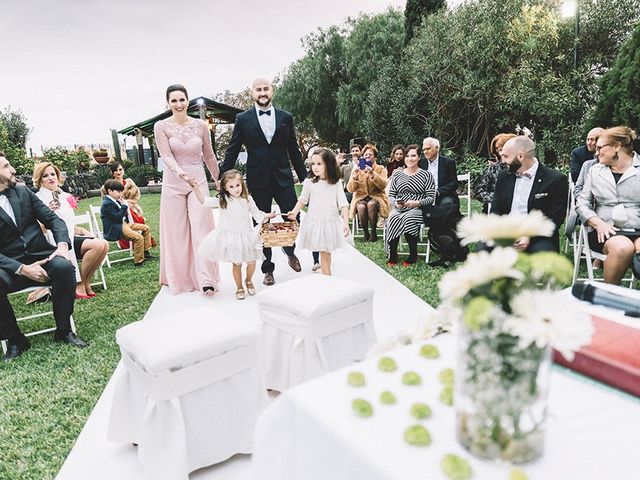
612,357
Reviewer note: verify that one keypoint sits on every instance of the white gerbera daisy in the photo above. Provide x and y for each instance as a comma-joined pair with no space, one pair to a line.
489,228
480,268
547,318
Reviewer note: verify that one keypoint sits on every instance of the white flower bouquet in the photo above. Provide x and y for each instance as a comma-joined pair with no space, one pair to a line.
509,317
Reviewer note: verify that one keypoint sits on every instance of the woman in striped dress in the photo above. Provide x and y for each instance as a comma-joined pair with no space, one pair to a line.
410,189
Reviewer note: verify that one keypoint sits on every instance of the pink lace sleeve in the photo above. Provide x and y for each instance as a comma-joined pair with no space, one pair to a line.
162,141
207,152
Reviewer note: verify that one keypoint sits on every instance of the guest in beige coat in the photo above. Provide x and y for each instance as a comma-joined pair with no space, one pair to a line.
367,182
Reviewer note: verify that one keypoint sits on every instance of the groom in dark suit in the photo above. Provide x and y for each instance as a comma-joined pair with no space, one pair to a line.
269,136
28,259
529,185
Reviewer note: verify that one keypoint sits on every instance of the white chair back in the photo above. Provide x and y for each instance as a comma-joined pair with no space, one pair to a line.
466,177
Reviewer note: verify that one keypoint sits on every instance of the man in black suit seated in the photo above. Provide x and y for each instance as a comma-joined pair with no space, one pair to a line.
583,153
443,170
269,136
114,212
28,259
529,185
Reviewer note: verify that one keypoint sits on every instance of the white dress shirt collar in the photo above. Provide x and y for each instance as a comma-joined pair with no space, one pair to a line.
267,122
522,190
5,204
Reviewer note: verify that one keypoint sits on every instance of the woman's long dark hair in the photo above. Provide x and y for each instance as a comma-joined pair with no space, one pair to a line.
330,166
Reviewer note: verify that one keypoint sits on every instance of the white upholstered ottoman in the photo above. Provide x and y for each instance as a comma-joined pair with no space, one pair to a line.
189,394
311,326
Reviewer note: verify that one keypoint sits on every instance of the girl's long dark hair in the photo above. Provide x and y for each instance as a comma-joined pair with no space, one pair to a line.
330,166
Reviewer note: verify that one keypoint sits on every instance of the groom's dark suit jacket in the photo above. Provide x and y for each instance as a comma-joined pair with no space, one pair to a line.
25,238
548,194
265,160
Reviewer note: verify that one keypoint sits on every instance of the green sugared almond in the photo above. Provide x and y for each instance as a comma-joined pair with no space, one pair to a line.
362,407
446,376
387,397
455,467
411,378
446,395
517,474
355,379
387,364
429,351
417,435
420,410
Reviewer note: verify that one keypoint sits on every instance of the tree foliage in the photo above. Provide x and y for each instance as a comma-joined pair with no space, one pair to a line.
14,151
414,13
620,100
16,124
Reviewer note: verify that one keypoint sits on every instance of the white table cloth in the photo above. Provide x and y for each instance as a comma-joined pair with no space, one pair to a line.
190,395
311,432
311,326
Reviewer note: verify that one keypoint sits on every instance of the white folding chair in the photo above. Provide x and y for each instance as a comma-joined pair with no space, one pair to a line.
584,252
35,315
85,220
571,207
466,177
95,215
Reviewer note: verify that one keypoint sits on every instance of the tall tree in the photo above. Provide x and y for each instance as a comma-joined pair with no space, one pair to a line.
16,124
619,103
415,12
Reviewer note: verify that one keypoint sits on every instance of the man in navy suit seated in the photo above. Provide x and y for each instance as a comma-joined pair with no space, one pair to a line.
117,224
528,185
27,259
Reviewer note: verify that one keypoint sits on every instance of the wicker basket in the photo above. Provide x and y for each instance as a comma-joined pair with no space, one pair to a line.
284,235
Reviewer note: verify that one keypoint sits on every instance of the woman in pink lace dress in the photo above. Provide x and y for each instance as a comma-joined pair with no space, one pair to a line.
184,143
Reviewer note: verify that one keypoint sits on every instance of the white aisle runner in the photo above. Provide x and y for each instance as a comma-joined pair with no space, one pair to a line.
396,310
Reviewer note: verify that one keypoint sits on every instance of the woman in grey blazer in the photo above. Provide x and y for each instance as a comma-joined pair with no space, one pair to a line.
610,203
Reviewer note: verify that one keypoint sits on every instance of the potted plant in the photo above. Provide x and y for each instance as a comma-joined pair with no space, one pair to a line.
101,155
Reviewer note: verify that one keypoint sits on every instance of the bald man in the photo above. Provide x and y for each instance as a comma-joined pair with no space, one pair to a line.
269,137
583,153
528,185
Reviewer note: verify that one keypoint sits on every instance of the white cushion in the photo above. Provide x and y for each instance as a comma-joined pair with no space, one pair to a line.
166,344
314,295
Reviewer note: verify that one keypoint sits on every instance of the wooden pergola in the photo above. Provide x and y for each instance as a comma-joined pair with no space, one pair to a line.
214,113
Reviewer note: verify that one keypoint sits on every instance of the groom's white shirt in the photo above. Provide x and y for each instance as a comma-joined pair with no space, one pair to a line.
267,122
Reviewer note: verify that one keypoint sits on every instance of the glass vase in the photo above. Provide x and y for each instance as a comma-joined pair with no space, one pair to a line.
501,396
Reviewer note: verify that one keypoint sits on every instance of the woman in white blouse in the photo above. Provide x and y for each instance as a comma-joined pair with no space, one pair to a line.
47,178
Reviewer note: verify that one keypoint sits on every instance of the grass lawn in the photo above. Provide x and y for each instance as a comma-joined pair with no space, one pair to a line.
49,392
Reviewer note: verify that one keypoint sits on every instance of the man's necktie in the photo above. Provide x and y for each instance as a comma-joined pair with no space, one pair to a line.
265,112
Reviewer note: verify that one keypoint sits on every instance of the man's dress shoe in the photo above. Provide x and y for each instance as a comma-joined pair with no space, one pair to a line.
72,339
268,279
14,351
294,263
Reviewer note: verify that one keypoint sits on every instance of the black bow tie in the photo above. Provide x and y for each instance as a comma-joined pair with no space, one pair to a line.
265,112
524,174
6,192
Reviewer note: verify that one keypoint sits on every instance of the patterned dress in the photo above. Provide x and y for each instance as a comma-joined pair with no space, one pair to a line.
419,186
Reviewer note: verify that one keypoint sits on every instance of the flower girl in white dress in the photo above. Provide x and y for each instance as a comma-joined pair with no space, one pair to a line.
235,239
323,229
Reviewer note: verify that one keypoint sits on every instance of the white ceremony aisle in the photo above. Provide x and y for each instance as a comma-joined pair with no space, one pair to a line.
396,310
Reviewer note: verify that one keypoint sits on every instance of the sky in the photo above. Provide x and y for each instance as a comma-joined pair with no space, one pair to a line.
78,68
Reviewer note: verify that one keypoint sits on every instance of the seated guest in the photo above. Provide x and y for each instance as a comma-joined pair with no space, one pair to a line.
610,203
443,170
396,160
346,168
367,183
528,185
47,178
410,189
27,259
583,153
487,184
117,224
131,194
